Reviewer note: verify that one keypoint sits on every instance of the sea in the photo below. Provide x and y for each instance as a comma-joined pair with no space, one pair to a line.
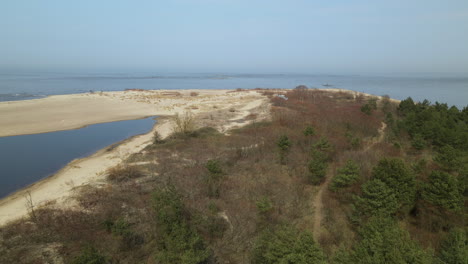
452,90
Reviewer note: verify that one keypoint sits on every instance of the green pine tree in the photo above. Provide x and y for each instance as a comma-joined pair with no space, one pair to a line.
287,245
398,177
382,241
347,175
443,190
454,249
376,199
317,167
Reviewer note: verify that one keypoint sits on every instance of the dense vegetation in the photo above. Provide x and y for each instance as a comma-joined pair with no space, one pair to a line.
389,195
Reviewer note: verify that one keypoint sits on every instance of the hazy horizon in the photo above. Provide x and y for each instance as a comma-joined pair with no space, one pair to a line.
320,37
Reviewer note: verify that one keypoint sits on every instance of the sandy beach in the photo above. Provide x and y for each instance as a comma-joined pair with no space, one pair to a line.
225,109
63,112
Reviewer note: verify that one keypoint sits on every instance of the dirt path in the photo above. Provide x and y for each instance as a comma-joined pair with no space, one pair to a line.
378,139
317,203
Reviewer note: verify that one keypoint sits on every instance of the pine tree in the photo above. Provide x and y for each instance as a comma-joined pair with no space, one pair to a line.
443,190
398,177
287,245
317,167
283,144
376,199
384,242
454,249
449,158
347,175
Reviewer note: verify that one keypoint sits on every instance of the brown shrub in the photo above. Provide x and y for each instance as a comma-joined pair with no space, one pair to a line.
122,173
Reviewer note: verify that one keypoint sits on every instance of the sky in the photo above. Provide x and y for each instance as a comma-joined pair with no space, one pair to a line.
294,36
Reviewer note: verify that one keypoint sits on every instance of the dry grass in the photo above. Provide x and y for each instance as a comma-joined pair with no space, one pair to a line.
122,173
171,94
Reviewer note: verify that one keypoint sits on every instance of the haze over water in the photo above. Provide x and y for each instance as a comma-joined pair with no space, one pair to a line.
377,47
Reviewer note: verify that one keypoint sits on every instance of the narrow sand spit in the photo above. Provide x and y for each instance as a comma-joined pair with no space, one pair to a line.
64,112
225,108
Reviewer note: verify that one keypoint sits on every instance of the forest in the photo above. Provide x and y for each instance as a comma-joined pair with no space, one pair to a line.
332,177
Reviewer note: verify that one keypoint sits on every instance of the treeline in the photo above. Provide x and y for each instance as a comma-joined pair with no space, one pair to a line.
390,198
428,194
425,195
434,125
445,130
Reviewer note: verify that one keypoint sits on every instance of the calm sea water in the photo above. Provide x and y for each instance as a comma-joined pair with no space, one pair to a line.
30,158
19,86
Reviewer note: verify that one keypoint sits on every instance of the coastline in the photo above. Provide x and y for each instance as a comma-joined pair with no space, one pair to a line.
96,150
74,111
88,170
60,187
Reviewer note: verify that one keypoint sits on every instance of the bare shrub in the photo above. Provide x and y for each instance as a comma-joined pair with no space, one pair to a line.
157,138
122,173
30,206
176,94
184,123
194,94
251,116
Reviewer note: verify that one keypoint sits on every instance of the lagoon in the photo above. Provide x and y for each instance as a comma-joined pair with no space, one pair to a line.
27,159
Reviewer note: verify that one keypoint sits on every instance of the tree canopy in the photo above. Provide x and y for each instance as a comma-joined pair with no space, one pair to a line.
382,241
347,175
398,177
376,199
287,245
443,190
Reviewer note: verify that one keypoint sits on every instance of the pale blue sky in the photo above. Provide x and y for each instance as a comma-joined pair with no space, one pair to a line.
330,36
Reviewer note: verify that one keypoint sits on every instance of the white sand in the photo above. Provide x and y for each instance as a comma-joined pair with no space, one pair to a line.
64,112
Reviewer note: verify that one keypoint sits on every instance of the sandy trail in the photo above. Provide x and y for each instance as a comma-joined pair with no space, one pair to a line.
317,203
109,107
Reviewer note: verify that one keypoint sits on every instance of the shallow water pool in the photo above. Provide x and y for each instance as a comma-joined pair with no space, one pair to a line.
29,158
